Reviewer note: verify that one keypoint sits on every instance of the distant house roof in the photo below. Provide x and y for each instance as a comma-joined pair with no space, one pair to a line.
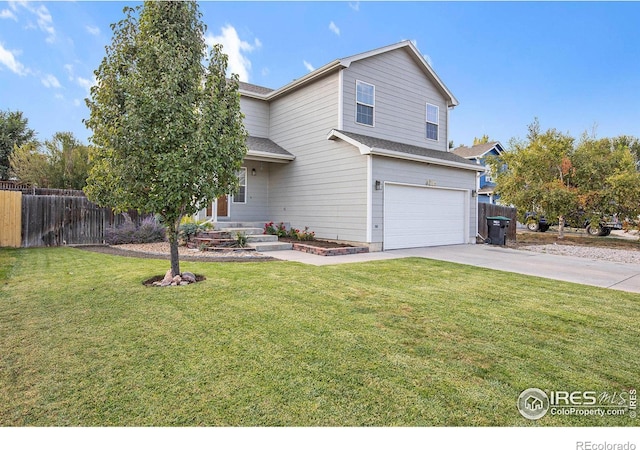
383,147
266,149
477,151
342,63
253,88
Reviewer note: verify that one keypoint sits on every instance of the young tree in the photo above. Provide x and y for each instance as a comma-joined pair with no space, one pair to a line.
62,164
548,174
535,175
14,132
167,130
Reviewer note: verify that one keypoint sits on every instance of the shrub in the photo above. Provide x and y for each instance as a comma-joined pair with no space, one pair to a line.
241,239
281,230
150,230
189,227
306,235
269,228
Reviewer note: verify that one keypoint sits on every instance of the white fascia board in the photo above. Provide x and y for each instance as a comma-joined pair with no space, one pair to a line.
425,159
334,134
268,157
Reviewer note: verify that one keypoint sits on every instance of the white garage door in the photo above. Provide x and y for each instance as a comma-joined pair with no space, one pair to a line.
416,216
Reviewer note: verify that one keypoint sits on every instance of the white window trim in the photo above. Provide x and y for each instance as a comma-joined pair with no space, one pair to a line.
437,123
246,182
373,106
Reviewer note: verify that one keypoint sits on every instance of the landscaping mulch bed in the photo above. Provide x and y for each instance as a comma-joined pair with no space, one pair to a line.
114,250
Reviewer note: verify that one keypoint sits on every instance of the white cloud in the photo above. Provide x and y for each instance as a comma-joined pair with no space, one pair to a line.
50,81
43,18
69,69
265,72
77,102
355,6
236,49
6,14
85,83
92,30
8,59
424,55
333,27
308,65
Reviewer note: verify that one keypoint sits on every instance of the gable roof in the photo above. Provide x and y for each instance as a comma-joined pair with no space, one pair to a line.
343,63
478,151
375,146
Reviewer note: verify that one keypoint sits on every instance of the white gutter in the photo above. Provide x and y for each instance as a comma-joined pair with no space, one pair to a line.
366,150
266,156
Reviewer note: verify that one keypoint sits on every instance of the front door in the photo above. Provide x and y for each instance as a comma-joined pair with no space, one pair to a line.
223,206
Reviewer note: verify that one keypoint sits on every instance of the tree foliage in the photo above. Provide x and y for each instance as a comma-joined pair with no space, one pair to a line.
63,163
167,129
14,132
551,174
482,140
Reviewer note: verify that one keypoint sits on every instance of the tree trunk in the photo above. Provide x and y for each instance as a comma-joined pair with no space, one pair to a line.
173,243
561,227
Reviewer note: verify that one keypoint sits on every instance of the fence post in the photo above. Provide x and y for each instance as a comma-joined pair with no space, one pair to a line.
10,218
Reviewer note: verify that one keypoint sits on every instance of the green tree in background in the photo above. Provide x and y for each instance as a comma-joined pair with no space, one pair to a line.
63,163
549,174
483,140
167,129
14,131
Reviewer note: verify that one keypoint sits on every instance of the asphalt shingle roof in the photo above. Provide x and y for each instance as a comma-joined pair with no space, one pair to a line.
405,148
254,88
475,151
265,145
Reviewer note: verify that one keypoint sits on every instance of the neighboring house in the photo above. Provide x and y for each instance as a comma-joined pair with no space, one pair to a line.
478,154
357,151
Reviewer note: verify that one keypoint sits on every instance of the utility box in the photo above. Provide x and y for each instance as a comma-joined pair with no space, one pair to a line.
497,227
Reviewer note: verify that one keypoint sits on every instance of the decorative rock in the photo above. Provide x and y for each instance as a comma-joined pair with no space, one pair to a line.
184,283
168,278
188,277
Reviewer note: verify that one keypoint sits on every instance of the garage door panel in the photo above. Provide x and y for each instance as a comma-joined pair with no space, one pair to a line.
417,216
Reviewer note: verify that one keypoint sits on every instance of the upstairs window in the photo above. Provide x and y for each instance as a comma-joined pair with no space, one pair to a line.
432,122
365,102
240,196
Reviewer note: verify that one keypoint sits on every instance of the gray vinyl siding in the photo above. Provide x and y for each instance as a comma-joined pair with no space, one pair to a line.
409,172
402,90
324,188
257,205
256,120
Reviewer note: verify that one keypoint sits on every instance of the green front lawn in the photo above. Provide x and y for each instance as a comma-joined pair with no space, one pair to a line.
405,342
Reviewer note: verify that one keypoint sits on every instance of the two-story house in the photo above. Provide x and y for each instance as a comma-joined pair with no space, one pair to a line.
478,154
357,151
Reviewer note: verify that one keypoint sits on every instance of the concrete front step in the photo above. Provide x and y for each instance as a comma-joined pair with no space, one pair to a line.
262,238
269,246
247,231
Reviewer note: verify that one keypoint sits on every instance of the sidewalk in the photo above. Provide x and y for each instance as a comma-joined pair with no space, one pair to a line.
624,277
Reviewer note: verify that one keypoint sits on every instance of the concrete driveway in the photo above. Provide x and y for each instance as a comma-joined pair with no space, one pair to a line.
624,277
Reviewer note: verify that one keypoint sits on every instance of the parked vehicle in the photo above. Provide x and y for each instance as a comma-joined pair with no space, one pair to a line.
603,228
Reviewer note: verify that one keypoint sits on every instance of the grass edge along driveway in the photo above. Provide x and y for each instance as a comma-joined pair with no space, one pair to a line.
408,342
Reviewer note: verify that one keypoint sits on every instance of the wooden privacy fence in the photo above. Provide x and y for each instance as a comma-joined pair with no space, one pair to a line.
10,218
488,210
52,220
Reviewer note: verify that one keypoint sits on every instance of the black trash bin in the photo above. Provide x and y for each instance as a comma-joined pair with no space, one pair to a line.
497,226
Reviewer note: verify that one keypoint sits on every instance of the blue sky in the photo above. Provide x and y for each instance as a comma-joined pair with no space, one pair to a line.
574,65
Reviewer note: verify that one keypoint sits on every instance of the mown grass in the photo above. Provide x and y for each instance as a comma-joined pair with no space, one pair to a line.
407,342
